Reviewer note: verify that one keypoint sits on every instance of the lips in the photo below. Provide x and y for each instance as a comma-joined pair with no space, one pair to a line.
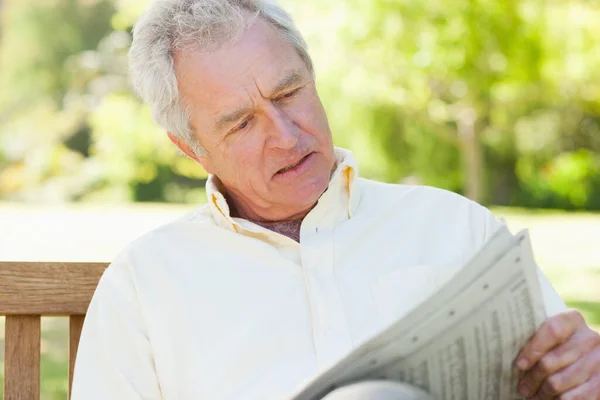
290,167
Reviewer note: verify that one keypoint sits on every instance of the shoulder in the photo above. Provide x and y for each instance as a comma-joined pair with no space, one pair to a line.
197,222
431,210
378,191
414,195
172,240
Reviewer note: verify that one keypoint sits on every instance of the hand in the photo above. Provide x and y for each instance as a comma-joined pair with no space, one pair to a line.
561,361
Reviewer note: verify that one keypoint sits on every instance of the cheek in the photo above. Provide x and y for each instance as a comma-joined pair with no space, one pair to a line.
243,158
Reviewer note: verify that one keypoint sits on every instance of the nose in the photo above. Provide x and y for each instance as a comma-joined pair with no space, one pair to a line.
282,132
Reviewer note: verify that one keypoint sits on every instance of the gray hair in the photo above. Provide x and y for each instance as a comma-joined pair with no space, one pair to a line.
171,25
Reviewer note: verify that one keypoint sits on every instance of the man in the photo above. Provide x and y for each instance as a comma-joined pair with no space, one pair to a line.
295,259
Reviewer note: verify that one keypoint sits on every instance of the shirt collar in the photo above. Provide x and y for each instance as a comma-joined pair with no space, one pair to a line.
337,204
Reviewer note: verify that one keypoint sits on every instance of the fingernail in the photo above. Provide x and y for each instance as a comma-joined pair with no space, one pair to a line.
524,390
522,364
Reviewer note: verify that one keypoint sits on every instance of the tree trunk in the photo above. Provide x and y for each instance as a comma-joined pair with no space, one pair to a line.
472,155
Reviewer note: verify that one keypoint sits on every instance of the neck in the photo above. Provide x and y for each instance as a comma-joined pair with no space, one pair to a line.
237,209
290,229
289,226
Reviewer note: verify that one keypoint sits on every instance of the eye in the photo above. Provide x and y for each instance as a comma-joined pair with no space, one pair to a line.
289,94
243,125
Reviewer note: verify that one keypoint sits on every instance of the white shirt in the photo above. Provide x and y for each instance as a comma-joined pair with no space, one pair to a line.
214,307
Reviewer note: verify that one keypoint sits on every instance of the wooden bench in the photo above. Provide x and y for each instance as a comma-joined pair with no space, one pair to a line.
28,291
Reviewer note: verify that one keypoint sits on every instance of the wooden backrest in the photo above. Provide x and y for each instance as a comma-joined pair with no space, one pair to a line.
29,290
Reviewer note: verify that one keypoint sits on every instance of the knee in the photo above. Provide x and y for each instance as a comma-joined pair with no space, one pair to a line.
378,390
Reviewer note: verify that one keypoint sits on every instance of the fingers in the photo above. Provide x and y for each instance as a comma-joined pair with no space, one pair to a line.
571,377
590,390
553,332
545,376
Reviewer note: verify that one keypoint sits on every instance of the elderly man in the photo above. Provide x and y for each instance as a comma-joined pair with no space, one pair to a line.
295,259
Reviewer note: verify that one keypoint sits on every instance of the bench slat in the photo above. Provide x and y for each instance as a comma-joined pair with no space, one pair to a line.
22,358
42,288
75,326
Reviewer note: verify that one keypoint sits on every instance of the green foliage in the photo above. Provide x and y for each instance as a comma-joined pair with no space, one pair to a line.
571,178
69,127
38,39
496,100
498,70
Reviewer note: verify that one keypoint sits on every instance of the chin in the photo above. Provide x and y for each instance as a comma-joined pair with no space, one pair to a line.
311,191
304,191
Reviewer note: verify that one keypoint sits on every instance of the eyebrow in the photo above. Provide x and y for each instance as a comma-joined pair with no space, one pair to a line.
288,81
230,118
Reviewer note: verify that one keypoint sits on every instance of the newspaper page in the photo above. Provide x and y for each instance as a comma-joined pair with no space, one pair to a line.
461,343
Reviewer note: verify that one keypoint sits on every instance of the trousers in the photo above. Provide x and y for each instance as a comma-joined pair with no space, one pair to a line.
378,390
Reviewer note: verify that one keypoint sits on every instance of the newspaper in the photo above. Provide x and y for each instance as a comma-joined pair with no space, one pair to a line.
461,343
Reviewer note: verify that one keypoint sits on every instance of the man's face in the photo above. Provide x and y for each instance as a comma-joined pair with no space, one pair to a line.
255,109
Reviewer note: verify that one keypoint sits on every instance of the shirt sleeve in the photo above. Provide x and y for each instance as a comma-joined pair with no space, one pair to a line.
114,360
552,301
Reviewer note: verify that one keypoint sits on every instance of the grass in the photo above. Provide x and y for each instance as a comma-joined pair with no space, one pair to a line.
565,245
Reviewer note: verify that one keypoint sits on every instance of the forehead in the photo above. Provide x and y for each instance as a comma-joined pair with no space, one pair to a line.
258,60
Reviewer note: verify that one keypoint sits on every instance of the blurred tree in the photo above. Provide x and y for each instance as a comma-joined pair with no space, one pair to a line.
36,116
73,130
484,77
499,101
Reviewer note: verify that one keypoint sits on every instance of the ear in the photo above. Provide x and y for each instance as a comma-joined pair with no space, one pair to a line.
188,151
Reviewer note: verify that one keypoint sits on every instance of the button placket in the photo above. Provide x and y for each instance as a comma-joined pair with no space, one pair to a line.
330,329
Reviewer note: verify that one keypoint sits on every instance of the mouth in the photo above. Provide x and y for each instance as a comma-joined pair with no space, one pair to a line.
294,166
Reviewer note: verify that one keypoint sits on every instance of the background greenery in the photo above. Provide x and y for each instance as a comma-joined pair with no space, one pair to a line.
497,100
